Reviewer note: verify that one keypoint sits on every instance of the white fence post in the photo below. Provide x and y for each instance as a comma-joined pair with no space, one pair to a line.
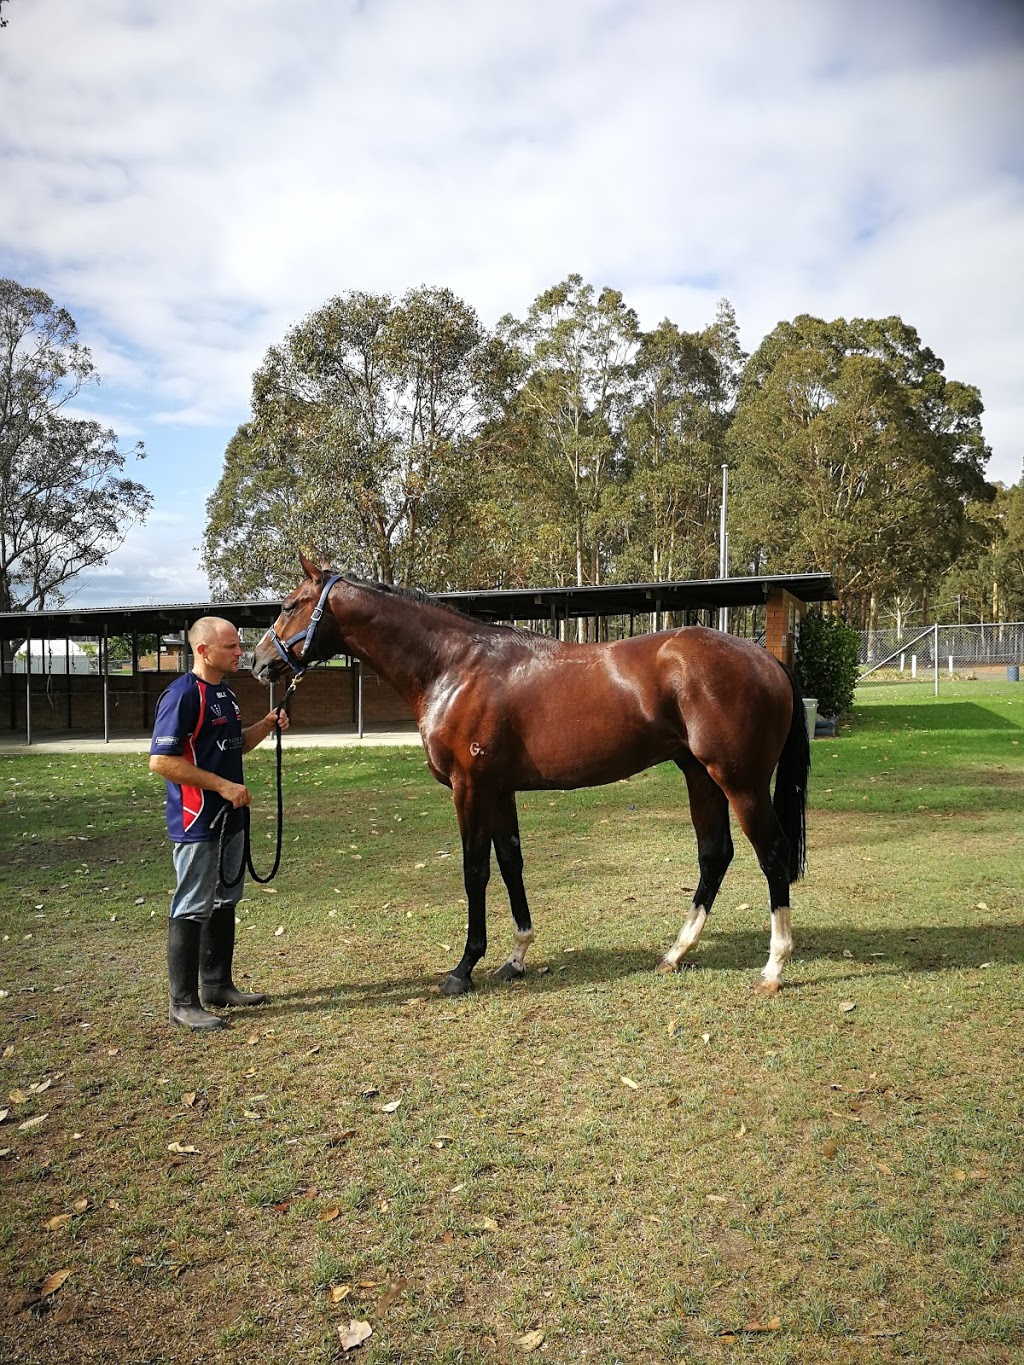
935,656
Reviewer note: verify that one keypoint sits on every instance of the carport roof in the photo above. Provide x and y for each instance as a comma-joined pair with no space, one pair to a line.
498,604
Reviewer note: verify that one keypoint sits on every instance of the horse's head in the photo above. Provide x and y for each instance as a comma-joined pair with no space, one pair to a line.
305,632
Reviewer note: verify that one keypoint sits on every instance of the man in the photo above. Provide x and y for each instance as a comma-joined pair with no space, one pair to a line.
198,743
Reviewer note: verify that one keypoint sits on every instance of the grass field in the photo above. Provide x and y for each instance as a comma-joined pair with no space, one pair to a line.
597,1164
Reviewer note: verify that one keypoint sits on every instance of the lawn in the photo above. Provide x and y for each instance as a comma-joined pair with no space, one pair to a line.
597,1164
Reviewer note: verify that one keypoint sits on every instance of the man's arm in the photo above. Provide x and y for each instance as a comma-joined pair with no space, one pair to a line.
185,774
257,732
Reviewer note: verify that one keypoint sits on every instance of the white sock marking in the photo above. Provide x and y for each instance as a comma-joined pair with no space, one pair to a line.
781,947
688,936
524,937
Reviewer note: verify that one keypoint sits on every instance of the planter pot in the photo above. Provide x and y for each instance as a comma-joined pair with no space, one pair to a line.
811,712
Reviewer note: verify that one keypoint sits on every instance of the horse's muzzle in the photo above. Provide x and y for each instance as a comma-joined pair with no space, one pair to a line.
266,667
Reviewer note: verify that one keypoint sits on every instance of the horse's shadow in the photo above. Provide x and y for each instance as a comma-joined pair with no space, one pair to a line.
832,954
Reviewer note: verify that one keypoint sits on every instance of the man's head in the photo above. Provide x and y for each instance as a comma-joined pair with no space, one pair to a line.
216,647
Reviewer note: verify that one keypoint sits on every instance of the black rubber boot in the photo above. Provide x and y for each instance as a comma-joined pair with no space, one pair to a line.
183,937
215,955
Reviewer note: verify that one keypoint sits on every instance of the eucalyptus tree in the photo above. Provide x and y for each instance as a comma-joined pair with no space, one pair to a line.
564,423
358,444
64,502
987,581
855,456
670,497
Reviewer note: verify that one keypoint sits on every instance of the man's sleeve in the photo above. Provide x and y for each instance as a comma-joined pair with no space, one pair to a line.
176,716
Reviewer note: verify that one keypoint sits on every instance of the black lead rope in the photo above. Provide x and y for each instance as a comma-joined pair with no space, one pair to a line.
222,816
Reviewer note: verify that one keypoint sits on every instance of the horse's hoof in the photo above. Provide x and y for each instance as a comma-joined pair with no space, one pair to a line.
766,989
511,971
456,985
666,968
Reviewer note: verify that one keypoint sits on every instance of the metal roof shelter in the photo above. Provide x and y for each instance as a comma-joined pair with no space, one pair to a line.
498,604
492,604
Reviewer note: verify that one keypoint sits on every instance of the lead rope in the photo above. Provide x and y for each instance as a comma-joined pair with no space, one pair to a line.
222,817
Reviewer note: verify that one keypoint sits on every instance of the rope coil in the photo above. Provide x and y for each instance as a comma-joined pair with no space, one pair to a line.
222,818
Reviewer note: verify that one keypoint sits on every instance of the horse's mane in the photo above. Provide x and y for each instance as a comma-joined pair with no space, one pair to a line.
427,599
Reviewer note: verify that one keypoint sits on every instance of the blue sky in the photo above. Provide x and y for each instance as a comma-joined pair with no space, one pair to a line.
191,179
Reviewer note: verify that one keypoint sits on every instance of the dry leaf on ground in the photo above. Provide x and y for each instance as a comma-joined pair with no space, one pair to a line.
530,1341
354,1335
394,1293
182,1150
53,1282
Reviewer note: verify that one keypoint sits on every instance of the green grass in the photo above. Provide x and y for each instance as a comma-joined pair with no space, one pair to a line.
849,1176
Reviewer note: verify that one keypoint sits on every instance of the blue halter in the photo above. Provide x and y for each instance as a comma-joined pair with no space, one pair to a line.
286,648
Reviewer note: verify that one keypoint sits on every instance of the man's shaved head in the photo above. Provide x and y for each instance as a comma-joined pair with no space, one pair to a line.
209,630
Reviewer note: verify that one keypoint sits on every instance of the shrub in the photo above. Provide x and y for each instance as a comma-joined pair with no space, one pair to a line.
828,662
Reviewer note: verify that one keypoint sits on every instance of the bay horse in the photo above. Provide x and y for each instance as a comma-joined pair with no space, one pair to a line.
502,710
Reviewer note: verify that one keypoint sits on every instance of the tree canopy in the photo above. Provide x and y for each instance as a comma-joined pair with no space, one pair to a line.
854,455
359,441
64,503
404,440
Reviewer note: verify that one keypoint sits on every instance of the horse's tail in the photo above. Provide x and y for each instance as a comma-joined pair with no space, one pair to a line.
790,799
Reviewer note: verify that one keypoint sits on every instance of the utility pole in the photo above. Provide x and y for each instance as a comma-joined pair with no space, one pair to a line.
723,547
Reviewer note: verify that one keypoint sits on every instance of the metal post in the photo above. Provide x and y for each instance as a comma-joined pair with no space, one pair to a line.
936,653
359,708
28,689
67,673
105,666
723,547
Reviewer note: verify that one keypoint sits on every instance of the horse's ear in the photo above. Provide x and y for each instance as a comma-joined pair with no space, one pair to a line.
308,567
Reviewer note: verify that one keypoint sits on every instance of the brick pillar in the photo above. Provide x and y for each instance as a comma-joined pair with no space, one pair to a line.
783,617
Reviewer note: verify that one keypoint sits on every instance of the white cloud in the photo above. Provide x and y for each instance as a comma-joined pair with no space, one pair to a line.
191,179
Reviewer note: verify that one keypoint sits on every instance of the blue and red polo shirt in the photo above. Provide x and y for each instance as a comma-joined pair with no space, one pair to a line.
201,722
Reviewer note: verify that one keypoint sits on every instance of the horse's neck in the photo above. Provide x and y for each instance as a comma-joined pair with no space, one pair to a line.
408,644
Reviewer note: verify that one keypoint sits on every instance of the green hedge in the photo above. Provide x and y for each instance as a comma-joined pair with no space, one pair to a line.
828,662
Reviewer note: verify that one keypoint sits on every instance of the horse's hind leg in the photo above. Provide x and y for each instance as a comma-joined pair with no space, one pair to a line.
709,811
509,853
761,826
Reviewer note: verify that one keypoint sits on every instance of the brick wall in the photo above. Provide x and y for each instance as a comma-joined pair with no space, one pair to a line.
783,618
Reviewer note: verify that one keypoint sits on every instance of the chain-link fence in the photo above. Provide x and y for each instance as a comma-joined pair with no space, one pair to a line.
950,651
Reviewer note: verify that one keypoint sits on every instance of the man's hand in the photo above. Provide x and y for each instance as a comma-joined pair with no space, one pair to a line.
257,732
236,793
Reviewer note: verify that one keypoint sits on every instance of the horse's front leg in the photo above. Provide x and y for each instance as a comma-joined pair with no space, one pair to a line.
509,853
475,827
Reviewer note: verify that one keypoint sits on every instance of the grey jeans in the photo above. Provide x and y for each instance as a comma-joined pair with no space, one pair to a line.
199,886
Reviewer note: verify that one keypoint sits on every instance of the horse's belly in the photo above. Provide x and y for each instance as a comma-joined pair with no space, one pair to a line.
588,754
